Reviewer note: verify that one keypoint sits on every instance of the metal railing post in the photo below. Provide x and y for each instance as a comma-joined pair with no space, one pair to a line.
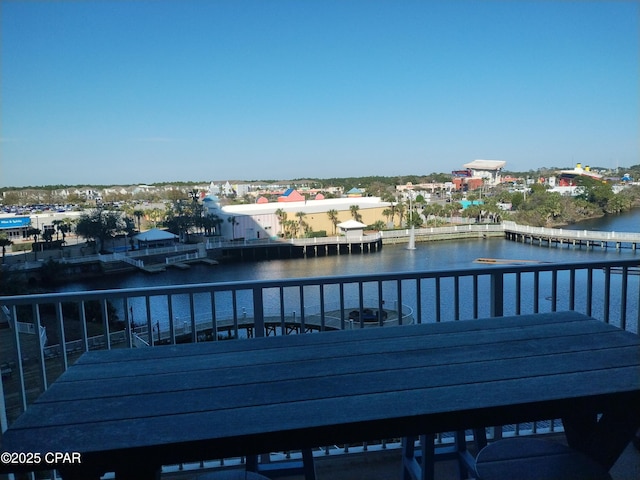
497,294
258,312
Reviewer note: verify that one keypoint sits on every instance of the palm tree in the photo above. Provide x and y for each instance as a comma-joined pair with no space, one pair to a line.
450,209
387,213
67,226
155,215
301,223
473,211
379,225
281,214
414,219
63,228
394,210
291,227
434,210
34,232
57,224
355,213
232,221
138,214
282,218
47,235
400,210
208,224
333,217
4,243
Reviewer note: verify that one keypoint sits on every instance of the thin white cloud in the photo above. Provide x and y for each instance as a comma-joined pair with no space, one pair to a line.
156,139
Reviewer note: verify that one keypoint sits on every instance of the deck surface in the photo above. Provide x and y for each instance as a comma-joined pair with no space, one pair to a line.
188,402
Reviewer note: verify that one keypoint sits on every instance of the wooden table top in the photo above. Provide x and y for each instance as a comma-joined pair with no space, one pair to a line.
208,400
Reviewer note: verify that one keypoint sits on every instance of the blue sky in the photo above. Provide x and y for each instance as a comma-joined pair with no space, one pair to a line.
125,92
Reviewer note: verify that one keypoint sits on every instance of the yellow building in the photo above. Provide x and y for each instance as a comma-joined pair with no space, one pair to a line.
260,220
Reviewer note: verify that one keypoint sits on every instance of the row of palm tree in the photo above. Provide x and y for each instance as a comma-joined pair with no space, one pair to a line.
333,217
431,214
398,209
290,228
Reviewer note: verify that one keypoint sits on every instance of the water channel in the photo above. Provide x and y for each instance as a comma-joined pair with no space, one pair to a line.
442,255
392,258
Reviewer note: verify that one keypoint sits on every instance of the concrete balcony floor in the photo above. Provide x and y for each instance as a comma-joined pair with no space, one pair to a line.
385,465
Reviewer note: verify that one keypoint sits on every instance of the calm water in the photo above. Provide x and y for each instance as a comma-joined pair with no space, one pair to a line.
396,258
392,258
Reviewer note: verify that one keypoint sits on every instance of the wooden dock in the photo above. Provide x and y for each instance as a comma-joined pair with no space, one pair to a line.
559,237
505,261
183,265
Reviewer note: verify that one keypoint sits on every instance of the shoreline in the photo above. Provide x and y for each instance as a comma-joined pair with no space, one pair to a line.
93,268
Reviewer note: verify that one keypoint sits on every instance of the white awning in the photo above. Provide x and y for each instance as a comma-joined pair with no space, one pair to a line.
486,164
351,225
155,235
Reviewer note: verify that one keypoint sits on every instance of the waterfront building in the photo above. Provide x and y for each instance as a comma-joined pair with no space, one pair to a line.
425,189
352,228
155,238
15,227
568,181
484,171
260,221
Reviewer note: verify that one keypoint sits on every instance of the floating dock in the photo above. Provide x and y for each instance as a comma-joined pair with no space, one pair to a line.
505,261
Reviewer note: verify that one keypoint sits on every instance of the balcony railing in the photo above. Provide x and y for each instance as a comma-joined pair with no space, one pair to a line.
141,317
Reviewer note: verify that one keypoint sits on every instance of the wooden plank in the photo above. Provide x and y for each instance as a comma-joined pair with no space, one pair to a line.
303,389
332,338
351,418
209,376
203,358
535,459
182,403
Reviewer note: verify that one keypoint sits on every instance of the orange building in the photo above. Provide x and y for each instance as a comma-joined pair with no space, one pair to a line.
466,184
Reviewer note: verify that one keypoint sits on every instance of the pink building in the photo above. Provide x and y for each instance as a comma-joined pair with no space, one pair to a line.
291,195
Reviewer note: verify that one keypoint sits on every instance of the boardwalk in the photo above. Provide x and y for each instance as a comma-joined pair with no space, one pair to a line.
268,249
574,238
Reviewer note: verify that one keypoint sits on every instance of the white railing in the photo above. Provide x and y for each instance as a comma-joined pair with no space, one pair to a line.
336,239
30,329
330,240
178,247
453,230
138,342
572,234
96,342
129,260
182,258
22,327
